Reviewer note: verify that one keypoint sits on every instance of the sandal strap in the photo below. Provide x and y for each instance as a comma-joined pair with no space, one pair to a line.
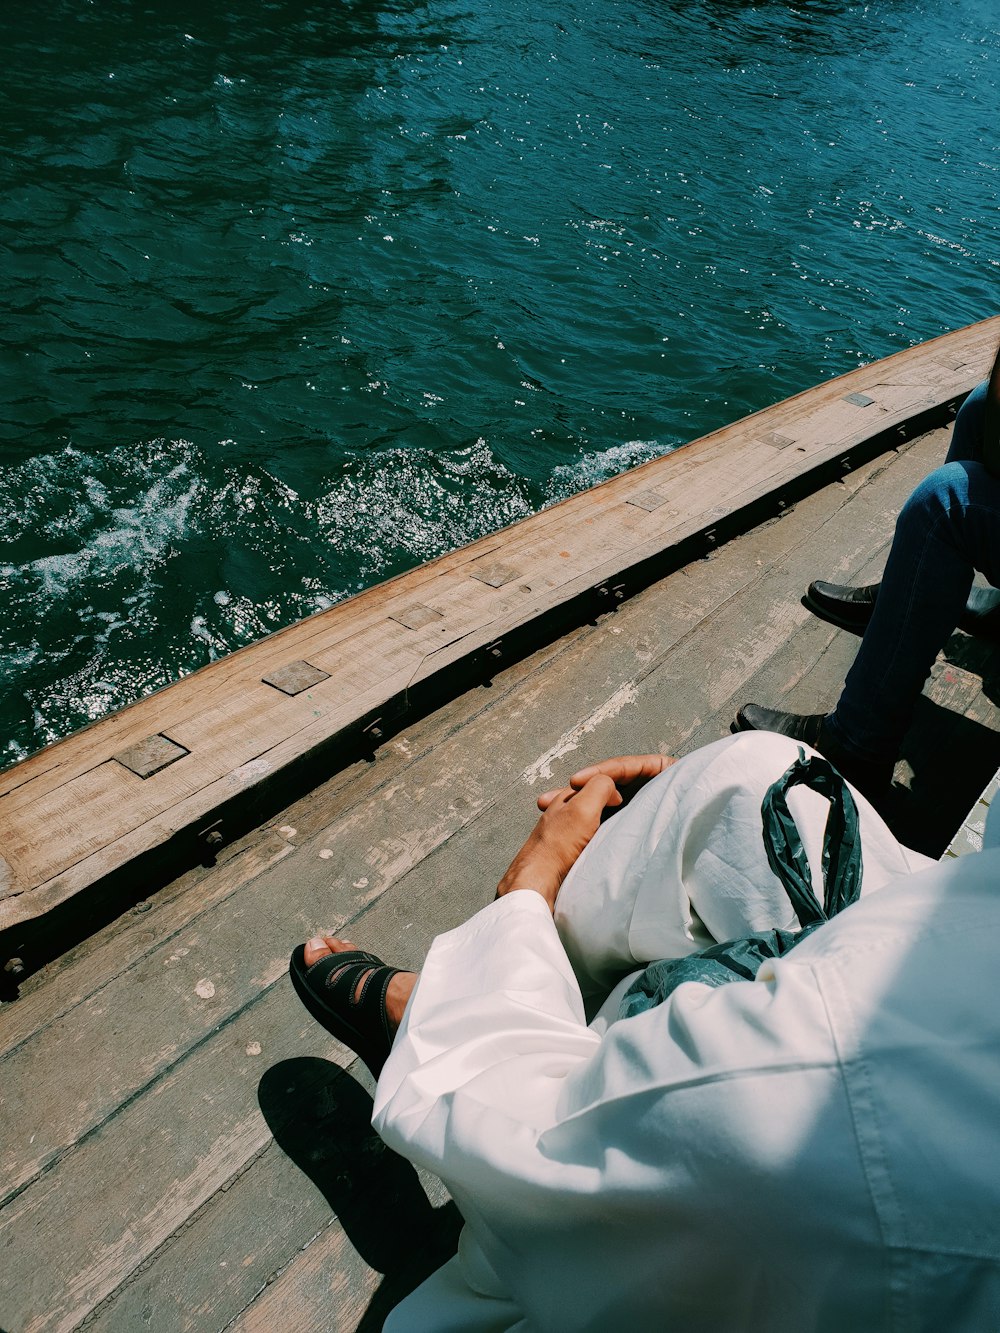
340,975
330,967
380,978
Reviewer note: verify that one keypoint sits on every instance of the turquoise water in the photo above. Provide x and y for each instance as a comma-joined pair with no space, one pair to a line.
298,295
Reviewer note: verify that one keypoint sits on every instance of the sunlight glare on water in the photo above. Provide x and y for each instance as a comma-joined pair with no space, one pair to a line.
297,296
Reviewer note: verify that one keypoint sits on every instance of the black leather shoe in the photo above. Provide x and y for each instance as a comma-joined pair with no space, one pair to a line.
981,616
871,777
799,726
851,608
848,608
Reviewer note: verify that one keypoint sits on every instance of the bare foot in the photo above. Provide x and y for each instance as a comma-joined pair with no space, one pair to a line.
400,987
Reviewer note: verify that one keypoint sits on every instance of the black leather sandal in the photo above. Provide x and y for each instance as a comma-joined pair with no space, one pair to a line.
329,990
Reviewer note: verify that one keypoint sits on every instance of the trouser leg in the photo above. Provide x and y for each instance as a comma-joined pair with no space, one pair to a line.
982,615
948,528
684,865
967,434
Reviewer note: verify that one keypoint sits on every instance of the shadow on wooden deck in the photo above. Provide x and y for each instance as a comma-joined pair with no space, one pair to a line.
321,1119
158,1178
951,749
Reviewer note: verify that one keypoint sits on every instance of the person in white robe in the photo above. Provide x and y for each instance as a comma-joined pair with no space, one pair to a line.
817,1149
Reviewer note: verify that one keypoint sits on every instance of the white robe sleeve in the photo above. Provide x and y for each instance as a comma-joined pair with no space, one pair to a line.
609,1181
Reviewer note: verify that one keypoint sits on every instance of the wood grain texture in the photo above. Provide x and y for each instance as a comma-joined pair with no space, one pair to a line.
70,816
187,1152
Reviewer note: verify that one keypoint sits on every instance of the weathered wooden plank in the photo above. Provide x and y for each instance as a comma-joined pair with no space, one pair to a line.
188,1115
194,980
322,1291
893,398
74,978
768,648
136,825
828,416
597,572
323,632
70,1239
80,806
362,662
359,863
346,1208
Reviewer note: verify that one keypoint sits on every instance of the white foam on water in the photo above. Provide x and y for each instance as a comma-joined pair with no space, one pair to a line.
601,466
103,537
403,506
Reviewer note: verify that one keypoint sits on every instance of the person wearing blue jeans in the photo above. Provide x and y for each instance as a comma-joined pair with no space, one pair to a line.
948,529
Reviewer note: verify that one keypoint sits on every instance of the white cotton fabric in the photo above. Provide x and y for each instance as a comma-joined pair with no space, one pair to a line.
817,1149
684,866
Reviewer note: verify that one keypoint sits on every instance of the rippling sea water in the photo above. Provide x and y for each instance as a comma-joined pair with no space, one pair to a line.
298,295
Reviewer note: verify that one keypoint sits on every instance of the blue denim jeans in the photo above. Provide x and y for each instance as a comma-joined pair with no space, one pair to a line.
948,528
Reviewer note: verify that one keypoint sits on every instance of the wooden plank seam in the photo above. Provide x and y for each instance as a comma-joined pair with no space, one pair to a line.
831,428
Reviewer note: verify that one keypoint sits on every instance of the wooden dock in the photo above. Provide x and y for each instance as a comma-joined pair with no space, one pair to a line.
88,823
182,1147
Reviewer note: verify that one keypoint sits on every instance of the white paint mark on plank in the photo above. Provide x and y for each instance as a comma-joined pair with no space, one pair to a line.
252,771
570,740
205,989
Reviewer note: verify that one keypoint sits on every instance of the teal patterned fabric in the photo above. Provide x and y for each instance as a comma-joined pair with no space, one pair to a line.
740,959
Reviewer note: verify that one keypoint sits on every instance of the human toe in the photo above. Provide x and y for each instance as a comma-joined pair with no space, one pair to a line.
321,945
316,948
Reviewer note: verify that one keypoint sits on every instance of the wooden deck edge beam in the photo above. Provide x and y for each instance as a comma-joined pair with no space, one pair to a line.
40,918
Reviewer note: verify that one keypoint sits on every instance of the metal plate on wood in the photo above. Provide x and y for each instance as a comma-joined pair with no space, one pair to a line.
416,617
777,440
648,500
858,399
295,677
149,756
495,575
